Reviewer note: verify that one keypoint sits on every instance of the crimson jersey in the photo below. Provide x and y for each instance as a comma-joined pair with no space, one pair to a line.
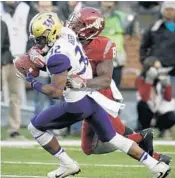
98,50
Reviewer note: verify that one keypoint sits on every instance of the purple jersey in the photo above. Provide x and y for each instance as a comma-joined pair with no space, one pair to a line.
67,54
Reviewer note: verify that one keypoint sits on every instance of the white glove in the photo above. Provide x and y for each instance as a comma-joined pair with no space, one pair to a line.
151,75
36,57
75,81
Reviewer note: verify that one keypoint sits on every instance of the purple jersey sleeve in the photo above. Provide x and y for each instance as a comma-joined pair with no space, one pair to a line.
58,63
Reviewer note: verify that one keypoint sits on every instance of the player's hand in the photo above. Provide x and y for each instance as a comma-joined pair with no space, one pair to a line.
151,75
75,81
35,54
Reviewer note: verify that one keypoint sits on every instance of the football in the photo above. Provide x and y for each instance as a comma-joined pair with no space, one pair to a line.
23,64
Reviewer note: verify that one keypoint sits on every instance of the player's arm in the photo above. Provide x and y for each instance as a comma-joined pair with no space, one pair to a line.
58,65
104,72
57,85
102,81
104,69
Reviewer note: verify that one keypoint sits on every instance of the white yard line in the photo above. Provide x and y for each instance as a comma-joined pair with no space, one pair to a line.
79,149
167,152
30,143
82,164
22,176
30,146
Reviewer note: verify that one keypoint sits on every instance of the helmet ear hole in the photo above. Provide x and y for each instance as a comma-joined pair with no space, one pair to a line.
54,32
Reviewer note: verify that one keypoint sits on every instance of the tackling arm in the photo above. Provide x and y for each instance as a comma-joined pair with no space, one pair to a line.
103,80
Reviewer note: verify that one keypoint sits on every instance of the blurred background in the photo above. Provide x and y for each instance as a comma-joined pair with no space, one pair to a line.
144,33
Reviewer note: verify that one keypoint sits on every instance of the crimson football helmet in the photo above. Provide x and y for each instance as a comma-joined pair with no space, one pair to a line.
86,23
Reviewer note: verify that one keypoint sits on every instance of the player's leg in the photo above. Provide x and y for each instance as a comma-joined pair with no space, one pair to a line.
49,119
144,138
87,138
103,128
92,145
90,142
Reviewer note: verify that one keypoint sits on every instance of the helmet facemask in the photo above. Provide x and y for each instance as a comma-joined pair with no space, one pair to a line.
87,23
75,23
42,42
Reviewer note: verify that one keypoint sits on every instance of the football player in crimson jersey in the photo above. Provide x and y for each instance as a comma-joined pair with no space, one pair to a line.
88,23
101,51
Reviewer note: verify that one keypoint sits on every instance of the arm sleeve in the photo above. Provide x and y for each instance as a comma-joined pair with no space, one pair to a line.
58,63
143,88
145,45
110,51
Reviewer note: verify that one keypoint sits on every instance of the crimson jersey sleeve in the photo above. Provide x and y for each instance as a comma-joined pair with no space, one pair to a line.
101,49
110,51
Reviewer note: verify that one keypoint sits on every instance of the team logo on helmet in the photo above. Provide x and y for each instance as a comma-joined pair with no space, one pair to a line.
97,24
49,22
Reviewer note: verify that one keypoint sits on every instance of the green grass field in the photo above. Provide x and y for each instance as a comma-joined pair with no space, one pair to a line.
35,163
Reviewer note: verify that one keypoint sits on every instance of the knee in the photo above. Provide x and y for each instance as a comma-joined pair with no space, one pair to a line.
36,122
33,130
43,138
36,133
121,143
107,137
